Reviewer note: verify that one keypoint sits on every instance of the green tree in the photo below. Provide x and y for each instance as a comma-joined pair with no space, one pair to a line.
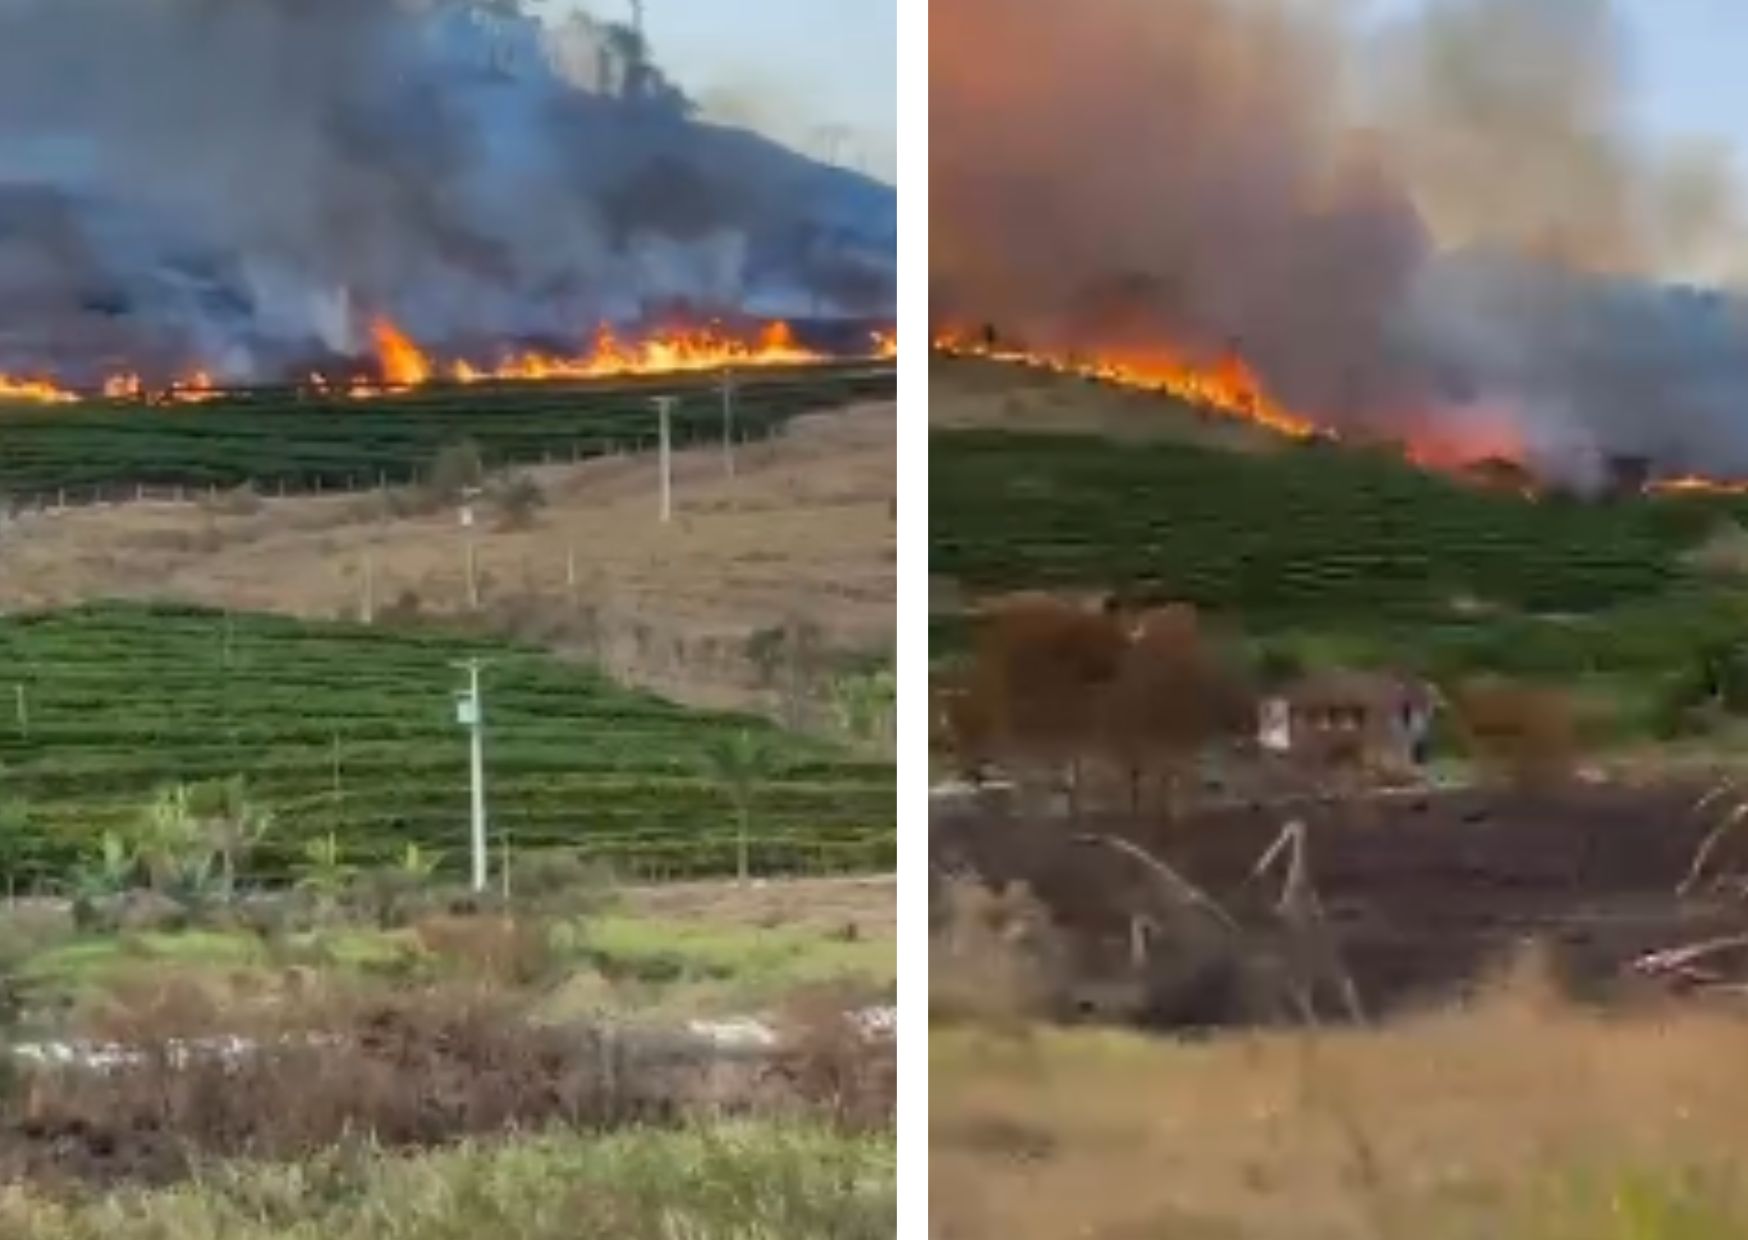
739,762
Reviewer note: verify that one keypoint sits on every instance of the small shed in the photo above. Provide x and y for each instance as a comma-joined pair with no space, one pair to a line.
1349,717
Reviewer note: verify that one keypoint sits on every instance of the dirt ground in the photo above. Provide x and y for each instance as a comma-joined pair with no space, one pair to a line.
1423,895
803,534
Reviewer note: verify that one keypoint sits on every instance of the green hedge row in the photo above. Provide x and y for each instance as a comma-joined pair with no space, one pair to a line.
352,729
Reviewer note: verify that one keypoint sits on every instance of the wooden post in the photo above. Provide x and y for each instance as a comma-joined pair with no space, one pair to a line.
665,410
570,576
728,421
367,605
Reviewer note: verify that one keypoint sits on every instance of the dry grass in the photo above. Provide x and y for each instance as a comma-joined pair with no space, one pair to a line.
506,951
861,908
803,535
1516,1117
973,395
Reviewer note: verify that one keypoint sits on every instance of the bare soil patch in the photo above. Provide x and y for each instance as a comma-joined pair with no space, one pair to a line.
1424,896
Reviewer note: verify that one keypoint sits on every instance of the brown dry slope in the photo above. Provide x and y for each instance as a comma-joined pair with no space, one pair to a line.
802,536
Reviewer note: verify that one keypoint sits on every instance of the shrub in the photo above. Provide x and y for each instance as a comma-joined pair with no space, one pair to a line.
518,499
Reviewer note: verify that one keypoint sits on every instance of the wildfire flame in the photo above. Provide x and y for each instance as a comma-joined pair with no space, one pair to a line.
663,353
1228,387
402,365
1694,485
33,391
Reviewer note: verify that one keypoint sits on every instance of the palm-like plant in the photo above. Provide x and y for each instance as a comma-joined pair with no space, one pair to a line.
323,872
420,863
14,832
739,761
106,873
168,839
231,824
864,704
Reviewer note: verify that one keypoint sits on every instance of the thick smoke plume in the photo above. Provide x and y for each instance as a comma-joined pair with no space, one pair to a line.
242,184
1445,230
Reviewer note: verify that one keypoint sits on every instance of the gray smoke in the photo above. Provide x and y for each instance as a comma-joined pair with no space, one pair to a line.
241,184
1446,230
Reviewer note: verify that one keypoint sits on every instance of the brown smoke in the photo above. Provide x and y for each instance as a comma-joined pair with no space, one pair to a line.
1271,175
1509,122
1174,167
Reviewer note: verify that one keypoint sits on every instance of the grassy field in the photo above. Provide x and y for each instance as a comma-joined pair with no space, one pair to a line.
350,729
729,950
733,1181
1517,1119
299,441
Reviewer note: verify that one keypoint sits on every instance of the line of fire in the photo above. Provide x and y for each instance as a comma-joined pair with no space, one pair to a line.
1229,386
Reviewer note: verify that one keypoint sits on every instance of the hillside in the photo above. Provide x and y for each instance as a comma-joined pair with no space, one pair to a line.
1330,554
353,730
802,537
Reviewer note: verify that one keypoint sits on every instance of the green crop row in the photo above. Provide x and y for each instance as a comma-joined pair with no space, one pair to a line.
299,441
353,730
1303,534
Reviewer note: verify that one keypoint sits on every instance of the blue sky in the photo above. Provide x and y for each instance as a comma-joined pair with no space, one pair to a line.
793,68
1689,68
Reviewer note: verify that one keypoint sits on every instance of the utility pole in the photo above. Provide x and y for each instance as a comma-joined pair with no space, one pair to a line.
471,715
728,420
468,495
665,410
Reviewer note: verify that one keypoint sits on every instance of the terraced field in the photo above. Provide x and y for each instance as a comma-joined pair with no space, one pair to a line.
351,729
1303,534
297,441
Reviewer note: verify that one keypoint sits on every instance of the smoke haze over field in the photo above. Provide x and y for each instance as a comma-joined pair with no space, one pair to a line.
240,185
1446,228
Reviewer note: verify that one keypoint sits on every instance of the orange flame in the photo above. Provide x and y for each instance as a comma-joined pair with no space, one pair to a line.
885,344
33,391
1691,484
1228,387
403,364
664,353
